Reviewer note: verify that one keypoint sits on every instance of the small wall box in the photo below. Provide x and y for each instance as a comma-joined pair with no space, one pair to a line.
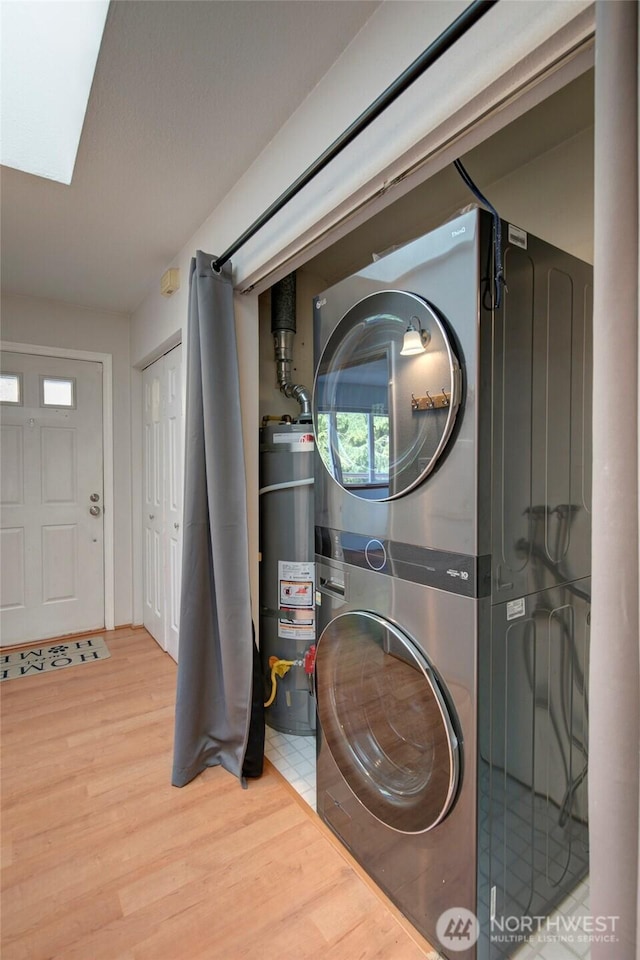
170,282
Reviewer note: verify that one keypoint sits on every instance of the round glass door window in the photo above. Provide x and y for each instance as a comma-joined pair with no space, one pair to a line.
386,395
386,723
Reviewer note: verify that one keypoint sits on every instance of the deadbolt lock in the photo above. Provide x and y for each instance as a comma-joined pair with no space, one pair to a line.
94,497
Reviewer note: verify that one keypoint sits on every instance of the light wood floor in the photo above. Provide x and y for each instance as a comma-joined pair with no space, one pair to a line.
104,860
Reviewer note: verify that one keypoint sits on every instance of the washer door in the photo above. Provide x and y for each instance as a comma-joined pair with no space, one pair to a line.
386,722
383,418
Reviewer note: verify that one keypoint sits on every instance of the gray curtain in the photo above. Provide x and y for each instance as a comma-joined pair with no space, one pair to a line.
215,660
615,658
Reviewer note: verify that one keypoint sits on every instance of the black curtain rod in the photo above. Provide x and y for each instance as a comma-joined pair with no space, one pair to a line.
440,45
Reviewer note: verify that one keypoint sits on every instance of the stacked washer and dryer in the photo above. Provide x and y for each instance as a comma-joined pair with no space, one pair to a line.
452,575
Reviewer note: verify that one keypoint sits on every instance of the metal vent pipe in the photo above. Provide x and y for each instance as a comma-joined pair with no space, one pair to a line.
283,328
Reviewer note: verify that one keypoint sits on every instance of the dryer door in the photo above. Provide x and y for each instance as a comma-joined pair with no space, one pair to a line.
386,395
386,722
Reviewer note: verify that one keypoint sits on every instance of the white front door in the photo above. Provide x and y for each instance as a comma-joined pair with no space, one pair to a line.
51,497
162,498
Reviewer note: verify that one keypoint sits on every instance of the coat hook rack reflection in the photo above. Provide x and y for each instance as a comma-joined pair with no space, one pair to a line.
427,402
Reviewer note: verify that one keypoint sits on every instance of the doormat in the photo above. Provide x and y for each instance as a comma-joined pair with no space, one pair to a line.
56,656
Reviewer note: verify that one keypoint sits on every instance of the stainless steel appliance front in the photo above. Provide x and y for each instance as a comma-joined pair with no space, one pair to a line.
453,556
397,751
386,722
385,421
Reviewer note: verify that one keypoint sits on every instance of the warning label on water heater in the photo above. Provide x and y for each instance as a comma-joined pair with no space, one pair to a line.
300,630
298,442
297,584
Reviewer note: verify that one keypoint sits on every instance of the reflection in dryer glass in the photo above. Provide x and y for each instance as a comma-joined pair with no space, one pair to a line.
382,419
353,433
385,724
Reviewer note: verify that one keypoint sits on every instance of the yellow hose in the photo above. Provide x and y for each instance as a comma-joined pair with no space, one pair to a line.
278,669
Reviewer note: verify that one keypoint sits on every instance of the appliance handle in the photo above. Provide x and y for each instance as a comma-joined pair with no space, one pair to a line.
332,580
334,588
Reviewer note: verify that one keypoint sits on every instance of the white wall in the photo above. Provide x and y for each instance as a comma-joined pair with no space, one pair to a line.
552,196
53,324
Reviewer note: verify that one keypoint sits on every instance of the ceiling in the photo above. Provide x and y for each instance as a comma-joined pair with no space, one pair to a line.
185,96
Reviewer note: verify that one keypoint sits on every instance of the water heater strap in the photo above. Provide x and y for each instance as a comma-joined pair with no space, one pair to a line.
286,486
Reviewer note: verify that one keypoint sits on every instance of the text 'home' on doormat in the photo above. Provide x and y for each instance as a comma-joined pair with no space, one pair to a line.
54,656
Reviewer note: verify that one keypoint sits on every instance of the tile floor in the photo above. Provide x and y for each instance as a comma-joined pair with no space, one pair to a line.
295,758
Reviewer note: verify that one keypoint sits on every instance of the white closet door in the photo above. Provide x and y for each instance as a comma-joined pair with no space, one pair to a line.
162,498
152,498
174,470
51,488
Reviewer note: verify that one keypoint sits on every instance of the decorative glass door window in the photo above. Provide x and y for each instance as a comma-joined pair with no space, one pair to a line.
57,392
11,388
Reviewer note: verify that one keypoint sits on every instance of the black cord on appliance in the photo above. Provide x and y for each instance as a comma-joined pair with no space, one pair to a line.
491,298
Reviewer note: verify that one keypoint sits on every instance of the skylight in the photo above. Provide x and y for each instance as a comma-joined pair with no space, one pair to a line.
49,50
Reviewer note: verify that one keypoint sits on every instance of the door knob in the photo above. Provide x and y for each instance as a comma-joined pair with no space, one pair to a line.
94,511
